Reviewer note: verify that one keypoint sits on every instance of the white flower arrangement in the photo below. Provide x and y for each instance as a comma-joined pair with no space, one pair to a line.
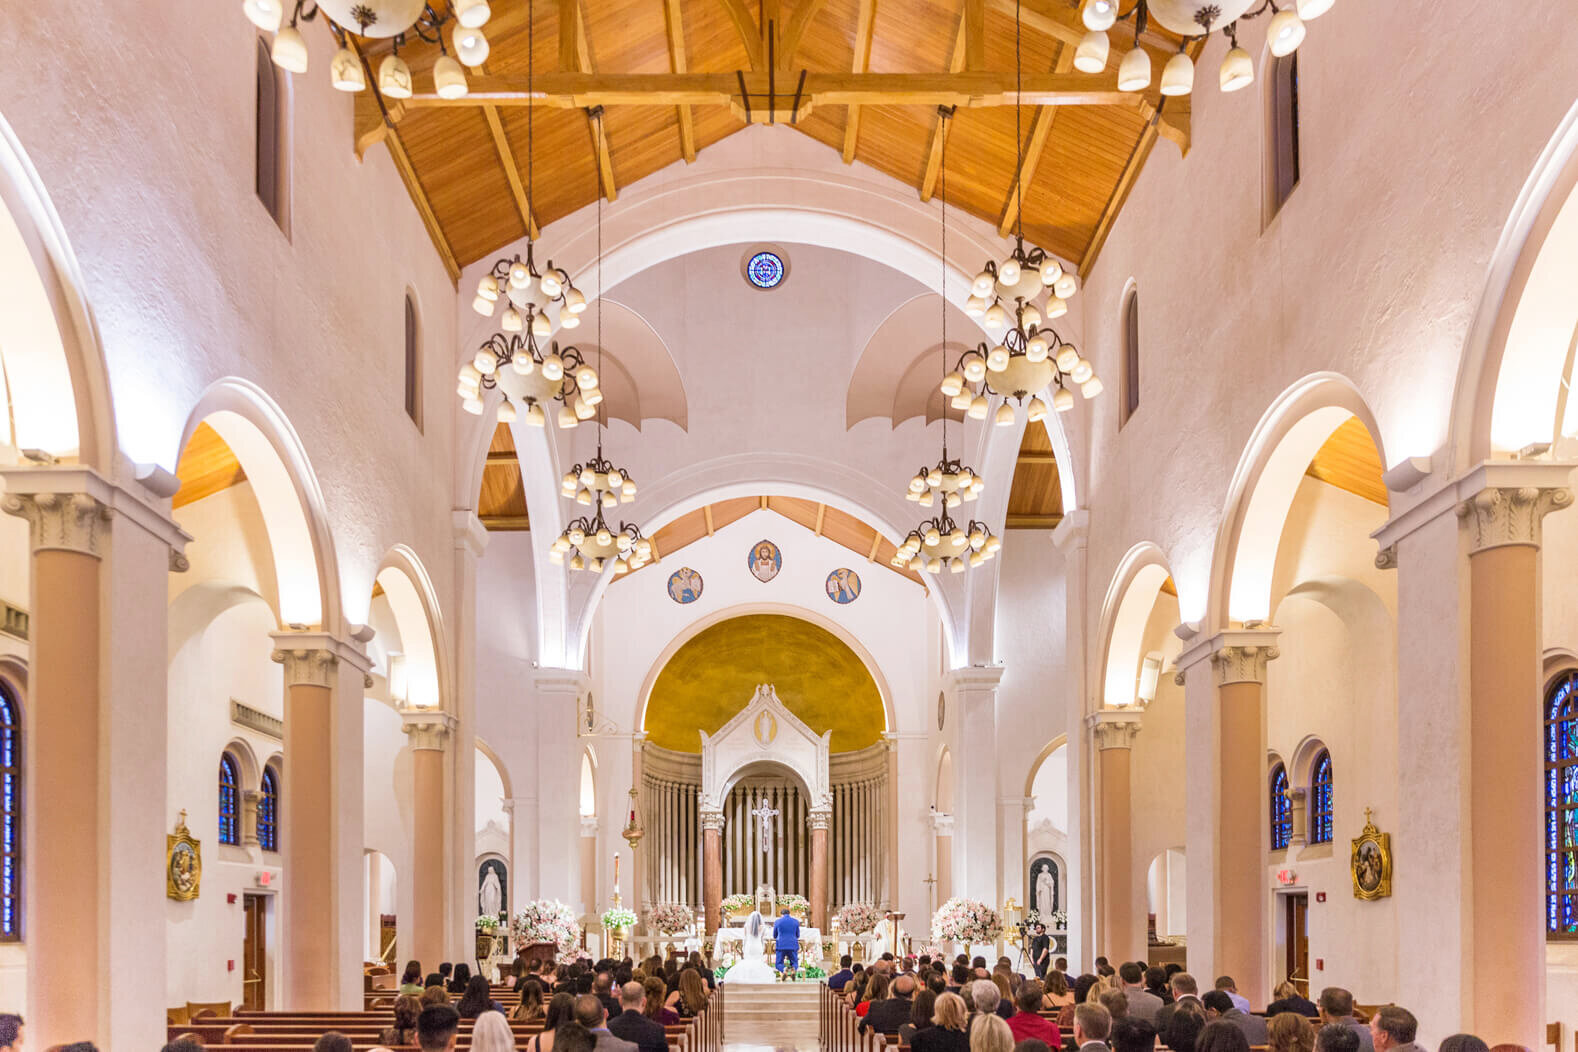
671,918
487,924
551,921
966,921
858,918
619,917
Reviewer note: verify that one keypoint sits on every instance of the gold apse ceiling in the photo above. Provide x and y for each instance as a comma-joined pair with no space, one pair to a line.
715,674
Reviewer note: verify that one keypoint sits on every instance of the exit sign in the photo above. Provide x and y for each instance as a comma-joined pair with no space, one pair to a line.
1286,877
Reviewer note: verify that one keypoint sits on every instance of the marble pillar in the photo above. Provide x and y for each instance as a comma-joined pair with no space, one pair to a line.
430,735
973,693
820,820
890,807
557,695
712,867
470,540
1072,538
942,833
1123,935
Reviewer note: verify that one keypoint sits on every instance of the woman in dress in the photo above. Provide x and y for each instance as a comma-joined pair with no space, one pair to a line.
691,997
656,992
560,1010
477,999
921,1011
531,1007
406,1008
946,1034
1057,992
876,990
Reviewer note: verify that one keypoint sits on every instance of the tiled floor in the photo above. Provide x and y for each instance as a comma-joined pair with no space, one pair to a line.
771,1019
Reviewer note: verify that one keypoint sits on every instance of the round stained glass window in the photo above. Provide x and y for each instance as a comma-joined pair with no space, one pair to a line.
765,270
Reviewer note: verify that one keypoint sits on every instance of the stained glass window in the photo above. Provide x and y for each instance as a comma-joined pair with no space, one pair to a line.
1561,807
10,817
1281,809
765,270
229,812
268,811
1320,799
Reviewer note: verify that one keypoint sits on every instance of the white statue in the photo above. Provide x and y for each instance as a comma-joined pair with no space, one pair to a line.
753,966
1046,895
491,896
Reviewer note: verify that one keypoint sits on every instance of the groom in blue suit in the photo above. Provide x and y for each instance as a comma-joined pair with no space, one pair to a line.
786,939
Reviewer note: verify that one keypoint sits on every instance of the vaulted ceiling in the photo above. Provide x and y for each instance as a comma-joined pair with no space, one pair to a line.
627,87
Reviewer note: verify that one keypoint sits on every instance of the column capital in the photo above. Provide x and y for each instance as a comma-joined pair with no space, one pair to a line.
470,535
712,821
820,819
1073,532
589,826
1448,498
428,729
974,677
1503,516
70,509
1237,655
311,659
1114,728
571,682
941,823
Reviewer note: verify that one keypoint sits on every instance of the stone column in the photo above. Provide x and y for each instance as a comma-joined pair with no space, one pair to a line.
558,772
1240,670
249,817
890,807
638,869
712,867
1298,812
1506,849
1072,538
470,540
1011,854
313,839
589,826
820,820
1122,936
974,696
942,832
430,735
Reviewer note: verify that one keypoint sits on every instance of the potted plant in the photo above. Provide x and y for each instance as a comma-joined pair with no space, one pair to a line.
487,928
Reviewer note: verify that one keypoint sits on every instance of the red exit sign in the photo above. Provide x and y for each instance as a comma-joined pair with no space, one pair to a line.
1286,877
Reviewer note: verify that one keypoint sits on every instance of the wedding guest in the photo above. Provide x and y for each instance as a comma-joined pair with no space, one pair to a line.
921,1012
407,1008
947,1032
561,1010
478,998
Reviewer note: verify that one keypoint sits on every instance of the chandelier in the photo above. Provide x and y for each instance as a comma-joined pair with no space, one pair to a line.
535,379
1015,300
940,542
1192,20
589,542
374,20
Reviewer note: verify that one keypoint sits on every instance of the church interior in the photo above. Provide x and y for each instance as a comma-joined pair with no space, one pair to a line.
896,462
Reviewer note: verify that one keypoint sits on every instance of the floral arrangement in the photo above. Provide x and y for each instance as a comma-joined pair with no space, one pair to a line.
619,917
966,921
736,903
857,918
487,924
798,905
811,971
671,918
552,921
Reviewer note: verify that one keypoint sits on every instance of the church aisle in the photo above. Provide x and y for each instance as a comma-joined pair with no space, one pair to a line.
771,1017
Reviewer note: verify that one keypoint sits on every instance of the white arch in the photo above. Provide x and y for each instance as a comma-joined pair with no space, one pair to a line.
1498,379
700,625
270,452
1269,471
54,362
1127,607
414,604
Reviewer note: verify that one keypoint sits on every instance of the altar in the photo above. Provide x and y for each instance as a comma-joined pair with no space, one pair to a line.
729,942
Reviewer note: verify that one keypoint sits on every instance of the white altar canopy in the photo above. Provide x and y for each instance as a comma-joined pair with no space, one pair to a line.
765,732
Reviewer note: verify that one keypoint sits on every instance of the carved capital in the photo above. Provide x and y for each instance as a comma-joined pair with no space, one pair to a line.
1386,558
588,826
428,730
307,666
1242,663
69,522
712,821
942,823
821,819
249,817
1500,516
1114,729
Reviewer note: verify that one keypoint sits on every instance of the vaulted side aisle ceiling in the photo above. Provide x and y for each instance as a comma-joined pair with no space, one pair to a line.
465,161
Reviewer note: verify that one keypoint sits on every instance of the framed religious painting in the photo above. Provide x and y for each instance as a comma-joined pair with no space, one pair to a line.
765,560
843,586
1372,862
684,586
183,863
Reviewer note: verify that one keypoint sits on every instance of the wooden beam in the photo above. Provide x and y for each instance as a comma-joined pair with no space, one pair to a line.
501,143
675,28
571,35
706,517
821,514
605,157
764,504
575,56
413,183
972,24
1069,35
1040,131
657,556
970,90
939,123
862,62
502,456
505,522
1032,522
795,31
1038,458
876,543
745,26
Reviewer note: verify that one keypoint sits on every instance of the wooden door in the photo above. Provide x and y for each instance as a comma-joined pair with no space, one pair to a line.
254,956
1298,941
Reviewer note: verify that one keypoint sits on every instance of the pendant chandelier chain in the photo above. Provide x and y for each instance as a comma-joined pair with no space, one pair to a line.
944,116
1019,137
531,62
602,420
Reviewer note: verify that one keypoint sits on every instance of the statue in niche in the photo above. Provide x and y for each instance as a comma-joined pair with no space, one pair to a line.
1043,881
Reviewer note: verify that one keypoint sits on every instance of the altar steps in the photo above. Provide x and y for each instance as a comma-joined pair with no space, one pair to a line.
771,1015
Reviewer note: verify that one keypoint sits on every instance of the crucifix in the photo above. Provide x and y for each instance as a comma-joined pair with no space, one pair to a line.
765,813
931,889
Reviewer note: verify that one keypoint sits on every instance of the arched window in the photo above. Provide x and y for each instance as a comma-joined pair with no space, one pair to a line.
229,812
268,811
1283,132
413,364
1131,354
1320,799
10,816
1281,809
267,133
1561,807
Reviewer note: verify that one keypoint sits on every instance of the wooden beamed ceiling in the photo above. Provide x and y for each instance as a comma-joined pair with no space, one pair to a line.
1035,501
1349,460
624,88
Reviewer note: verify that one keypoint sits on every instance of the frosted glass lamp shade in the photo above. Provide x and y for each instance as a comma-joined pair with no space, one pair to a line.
1100,15
1063,401
472,14
449,79
290,50
345,71
1286,33
1309,9
1178,75
1238,70
394,78
471,46
1134,74
1091,54
265,14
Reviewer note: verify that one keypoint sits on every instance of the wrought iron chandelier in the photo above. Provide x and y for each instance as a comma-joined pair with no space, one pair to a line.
375,20
1016,300
589,542
940,542
1192,20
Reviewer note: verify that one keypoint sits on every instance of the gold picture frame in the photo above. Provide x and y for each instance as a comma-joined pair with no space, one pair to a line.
1372,862
183,863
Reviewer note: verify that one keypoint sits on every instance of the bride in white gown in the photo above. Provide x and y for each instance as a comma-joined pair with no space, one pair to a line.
753,966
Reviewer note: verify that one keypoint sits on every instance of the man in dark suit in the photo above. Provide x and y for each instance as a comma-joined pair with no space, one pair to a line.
845,973
887,1015
631,1024
1219,1005
589,1013
603,987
